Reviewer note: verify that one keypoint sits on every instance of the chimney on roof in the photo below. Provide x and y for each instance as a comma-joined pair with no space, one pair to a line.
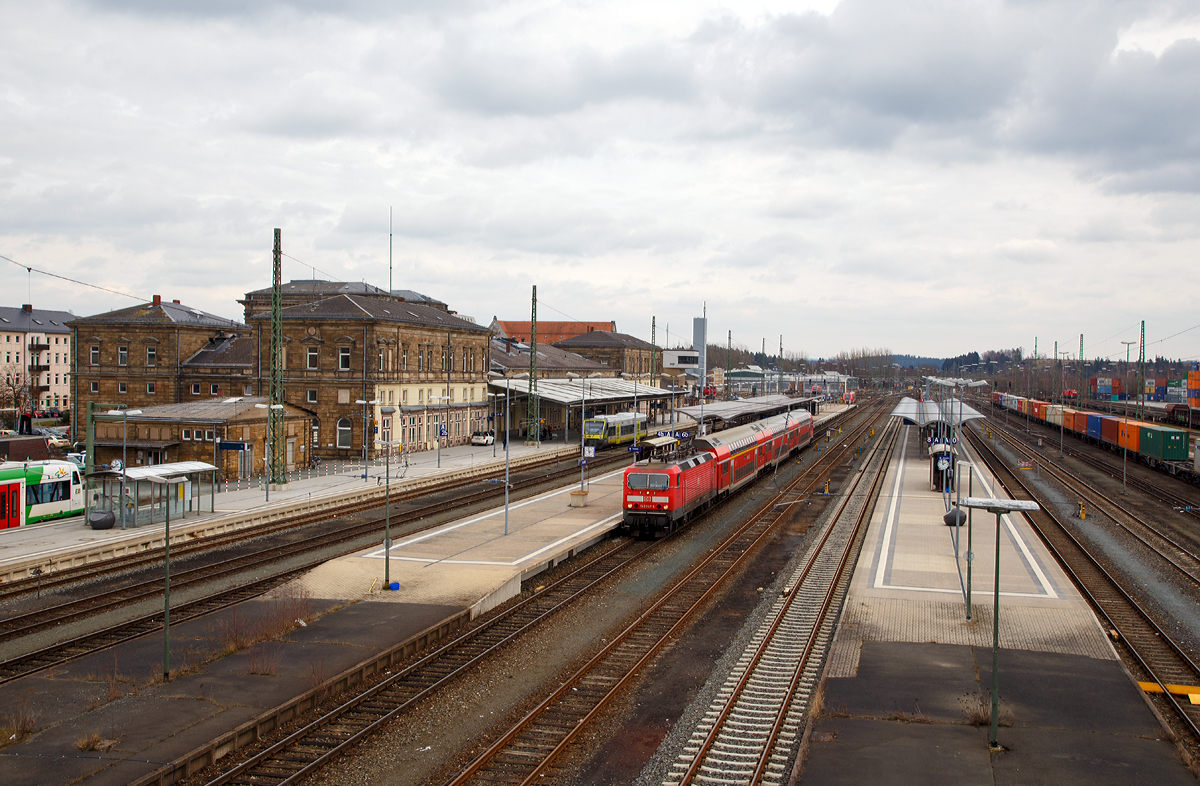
157,300
176,302
27,308
590,328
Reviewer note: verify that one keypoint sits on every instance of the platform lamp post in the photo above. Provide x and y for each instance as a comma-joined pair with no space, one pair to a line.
268,408
366,424
170,483
999,507
507,412
124,413
492,417
387,412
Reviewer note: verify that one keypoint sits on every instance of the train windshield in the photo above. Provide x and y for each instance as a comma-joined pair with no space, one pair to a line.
653,481
593,428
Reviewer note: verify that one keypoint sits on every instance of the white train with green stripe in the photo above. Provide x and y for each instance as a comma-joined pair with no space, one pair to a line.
34,491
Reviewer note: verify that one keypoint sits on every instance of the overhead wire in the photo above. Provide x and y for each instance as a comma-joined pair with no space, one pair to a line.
71,280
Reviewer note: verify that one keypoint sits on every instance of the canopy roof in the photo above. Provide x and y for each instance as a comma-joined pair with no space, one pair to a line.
600,390
922,413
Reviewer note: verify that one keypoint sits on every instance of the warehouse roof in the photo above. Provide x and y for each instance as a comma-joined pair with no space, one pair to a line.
602,338
512,355
600,390
214,409
341,307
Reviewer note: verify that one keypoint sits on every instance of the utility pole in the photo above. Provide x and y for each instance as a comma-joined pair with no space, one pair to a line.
1142,374
276,469
532,415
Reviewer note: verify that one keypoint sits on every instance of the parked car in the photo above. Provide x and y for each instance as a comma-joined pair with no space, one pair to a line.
483,438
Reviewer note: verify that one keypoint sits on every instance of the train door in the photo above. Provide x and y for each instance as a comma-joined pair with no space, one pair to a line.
10,504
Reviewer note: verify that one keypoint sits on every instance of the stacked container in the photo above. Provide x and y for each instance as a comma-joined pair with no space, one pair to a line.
1193,386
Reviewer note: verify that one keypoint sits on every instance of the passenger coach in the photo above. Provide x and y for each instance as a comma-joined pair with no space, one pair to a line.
660,495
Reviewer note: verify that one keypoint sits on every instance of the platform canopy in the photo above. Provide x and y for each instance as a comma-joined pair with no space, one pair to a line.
743,410
922,413
600,390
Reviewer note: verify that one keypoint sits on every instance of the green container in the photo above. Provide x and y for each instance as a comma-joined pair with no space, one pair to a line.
1174,383
1164,444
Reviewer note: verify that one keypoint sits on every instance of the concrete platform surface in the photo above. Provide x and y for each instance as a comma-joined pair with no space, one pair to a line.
1065,719
909,675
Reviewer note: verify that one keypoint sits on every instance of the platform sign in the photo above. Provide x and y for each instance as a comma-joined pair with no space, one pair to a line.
443,432
583,462
589,451
634,449
675,434
232,446
942,440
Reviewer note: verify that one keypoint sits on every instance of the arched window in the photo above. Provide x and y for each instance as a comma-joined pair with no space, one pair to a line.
343,433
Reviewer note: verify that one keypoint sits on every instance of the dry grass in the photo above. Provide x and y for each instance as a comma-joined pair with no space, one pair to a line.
94,742
278,616
316,678
977,710
264,658
18,723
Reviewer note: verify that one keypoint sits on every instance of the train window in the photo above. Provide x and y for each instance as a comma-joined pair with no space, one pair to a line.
653,481
49,492
4,504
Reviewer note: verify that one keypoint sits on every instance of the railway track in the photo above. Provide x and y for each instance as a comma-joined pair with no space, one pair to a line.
316,743
1155,656
342,539
751,734
527,752
1186,505
1162,544
56,577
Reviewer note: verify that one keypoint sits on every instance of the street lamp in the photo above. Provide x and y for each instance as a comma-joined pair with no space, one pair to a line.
124,413
999,507
366,423
492,418
387,412
267,458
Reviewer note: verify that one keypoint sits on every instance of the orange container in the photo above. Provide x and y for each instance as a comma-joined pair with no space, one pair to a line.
1129,434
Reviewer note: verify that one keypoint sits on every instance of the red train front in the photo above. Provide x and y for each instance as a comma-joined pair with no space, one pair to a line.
659,495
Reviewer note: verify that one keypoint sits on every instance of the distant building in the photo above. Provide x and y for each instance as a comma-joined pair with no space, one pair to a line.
548,332
510,357
35,347
298,292
626,354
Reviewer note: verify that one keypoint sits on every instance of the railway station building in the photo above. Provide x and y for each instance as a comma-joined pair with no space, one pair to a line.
228,433
299,292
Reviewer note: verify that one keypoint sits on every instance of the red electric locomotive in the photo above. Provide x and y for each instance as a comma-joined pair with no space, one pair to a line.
661,495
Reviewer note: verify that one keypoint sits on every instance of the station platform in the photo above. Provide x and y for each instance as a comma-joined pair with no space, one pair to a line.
65,542
908,681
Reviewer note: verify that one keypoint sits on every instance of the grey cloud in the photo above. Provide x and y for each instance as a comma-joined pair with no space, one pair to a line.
492,82
235,9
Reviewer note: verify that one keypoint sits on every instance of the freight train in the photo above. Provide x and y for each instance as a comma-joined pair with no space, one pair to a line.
37,491
1152,443
660,495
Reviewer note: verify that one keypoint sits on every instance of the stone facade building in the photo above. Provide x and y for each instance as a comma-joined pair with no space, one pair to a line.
136,356
193,431
299,292
627,354
429,364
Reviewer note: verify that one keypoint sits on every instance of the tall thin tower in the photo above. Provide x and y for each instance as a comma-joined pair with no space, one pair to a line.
275,390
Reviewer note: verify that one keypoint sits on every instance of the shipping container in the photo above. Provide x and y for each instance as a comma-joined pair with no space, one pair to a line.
1110,430
1129,434
1054,415
1095,423
1162,443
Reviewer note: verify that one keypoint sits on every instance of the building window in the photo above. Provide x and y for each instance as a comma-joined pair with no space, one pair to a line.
214,389
186,434
210,435
312,358
404,396
404,361
195,388
151,356
343,433
246,389
94,387
312,395
94,355
150,388
122,356
381,360
122,388
343,358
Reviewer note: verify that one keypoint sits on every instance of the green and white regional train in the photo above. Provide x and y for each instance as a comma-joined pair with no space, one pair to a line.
38,491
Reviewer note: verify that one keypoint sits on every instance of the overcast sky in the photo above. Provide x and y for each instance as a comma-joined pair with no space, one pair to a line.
931,177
